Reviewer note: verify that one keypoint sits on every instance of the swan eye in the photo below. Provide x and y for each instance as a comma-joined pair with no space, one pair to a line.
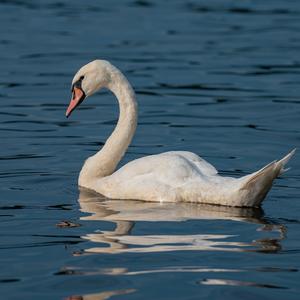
77,83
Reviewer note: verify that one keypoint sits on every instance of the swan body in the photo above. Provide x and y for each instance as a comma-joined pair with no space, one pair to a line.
171,176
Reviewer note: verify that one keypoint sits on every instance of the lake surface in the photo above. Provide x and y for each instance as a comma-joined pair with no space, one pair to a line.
219,78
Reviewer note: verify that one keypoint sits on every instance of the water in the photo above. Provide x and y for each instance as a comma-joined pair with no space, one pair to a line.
219,78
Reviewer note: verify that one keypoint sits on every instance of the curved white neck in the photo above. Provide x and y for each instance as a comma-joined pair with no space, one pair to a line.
104,162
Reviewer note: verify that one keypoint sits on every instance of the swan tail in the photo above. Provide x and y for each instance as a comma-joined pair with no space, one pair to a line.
254,187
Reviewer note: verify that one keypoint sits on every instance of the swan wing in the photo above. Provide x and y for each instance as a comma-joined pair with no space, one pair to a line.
203,166
158,177
168,165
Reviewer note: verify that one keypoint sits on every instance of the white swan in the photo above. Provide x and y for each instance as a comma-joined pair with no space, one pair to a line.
170,176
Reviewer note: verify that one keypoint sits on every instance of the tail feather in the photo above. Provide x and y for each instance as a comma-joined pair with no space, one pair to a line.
256,185
284,161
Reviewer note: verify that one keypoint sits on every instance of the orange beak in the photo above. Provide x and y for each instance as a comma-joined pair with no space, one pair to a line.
77,97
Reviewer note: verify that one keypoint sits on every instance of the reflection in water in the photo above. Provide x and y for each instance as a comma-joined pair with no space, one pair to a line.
127,272
125,213
239,283
101,296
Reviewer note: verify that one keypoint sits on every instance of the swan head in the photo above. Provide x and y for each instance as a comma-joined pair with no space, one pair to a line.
88,80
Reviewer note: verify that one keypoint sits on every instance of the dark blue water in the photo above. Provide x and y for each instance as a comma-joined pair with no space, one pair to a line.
219,78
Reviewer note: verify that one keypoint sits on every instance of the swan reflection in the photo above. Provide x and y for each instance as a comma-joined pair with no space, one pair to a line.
101,296
125,213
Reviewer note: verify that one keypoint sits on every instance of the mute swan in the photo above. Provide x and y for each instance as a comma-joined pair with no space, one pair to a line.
170,176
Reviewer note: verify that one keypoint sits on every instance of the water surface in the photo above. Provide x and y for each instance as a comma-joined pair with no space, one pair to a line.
219,78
